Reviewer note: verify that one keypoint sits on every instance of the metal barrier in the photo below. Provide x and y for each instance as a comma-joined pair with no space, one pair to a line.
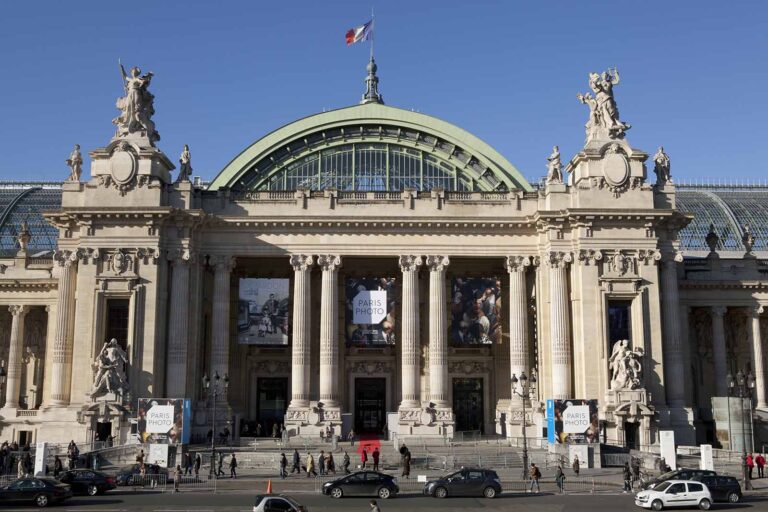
155,483
166,483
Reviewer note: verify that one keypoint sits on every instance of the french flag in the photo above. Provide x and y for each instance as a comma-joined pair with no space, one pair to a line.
364,33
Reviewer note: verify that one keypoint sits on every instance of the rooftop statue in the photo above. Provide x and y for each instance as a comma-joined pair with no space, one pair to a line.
137,106
661,166
185,161
603,112
554,167
110,371
75,163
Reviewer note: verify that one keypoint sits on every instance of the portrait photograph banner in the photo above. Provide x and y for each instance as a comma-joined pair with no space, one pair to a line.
573,421
264,308
164,420
476,311
371,311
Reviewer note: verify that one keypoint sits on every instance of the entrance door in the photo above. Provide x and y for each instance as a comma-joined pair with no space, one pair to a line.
103,431
631,440
370,405
468,404
271,402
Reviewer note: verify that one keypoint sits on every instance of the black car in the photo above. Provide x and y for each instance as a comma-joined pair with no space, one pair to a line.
86,481
722,488
362,483
129,475
38,491
678,474
467,482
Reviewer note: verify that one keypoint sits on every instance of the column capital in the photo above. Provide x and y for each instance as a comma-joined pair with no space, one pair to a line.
18,310
518,263
65,258
437,263
222,263
719,311
329,262
559,259
755,311
180,256
301,262
410,263
671,259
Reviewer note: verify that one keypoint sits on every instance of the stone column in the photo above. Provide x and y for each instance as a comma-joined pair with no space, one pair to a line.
757,355
329,330
302,314
674,361
61,369
438,339
178,327
411,345
518,318
220,321
562,366
15,352
718,350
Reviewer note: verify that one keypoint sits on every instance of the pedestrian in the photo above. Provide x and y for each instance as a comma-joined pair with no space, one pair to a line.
635,469
351,437
233,467
376,456
364,456
198,463
407,463
259,431
560,479
154,470
219,471
190,464
345,463
330,465
750,464
374,506
296,462
576,465
760,461
275,430
627,473
283,466
21,471
57,466
176,478
140,457
534,475
311,465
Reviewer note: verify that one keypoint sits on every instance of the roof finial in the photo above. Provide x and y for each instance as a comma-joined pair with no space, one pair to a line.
372,85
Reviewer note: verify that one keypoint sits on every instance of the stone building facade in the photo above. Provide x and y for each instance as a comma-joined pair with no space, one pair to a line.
558,273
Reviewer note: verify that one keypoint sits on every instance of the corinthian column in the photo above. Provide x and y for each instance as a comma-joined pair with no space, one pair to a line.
61,369
409,265
562,366
518,317
14,355
329,330
302,313
718,350
222,266
674,360
178,327
438,342
757,355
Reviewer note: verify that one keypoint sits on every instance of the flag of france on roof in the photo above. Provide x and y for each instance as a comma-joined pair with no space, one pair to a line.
363,33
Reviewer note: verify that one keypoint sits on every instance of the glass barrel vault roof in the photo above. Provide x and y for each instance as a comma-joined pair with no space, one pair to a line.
21,202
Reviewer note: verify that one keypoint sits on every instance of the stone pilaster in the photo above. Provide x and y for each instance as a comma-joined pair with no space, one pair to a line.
438,342
518,317
562,365
757,356
411,353
302,314
329,329
61,370
718,350
222,268
15,351
178,327
674,361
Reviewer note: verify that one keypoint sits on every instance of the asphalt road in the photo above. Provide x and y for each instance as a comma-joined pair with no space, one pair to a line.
202,502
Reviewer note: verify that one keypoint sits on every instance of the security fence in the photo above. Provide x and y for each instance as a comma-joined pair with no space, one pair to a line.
165,483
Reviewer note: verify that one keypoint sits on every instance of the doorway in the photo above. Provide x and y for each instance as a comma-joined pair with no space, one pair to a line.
103,431
631,437
370,405
468,404
271,402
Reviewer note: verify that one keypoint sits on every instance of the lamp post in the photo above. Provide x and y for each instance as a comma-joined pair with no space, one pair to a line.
741,387
215,388
527,387
3,375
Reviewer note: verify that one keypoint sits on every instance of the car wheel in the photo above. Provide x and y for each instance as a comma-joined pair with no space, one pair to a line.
657,505
734,497
336,492
705,504
384,493
441,492
489,492
92,490
41,500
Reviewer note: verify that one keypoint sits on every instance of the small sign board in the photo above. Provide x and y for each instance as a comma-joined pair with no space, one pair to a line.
706,457
41,455
369,307
421,478
158,454
160,419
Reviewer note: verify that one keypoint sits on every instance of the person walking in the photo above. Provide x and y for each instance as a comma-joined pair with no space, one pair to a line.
351,437
376,456
627,478
321,462
198,463
364,456
345,463
233,467
750,464
57,466
534,475
283,466
296,462
311,465
576,465
560,479
177,478
330,465
21,471
760,462
374,506
407,463
219,471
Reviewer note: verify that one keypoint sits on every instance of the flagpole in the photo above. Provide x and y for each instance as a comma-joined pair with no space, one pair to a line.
373,31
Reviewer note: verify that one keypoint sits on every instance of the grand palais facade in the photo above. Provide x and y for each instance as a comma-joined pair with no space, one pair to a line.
379,269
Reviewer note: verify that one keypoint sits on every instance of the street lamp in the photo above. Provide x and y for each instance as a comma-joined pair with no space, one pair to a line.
741,387
214,389
3,374
527,387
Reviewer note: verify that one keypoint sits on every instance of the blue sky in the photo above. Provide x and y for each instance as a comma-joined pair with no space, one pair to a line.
694,75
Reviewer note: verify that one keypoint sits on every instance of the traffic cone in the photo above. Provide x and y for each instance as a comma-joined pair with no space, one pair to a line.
269,486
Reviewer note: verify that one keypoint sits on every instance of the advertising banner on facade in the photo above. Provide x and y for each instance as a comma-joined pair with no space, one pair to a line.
371,311
263,314
164,420
573,421
476,311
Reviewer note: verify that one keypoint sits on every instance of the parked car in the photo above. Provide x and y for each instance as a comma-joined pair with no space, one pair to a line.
678,474
277,503
722,488
86,481
467,482
38,491
675,493
128,475
362,483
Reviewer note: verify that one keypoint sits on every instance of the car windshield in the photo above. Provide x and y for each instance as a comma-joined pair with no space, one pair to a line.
662,486
667,476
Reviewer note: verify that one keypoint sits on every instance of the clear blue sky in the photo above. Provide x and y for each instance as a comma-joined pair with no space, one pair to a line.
694,74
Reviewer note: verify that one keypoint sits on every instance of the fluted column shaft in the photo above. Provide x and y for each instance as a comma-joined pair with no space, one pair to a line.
409,265
222,266
329,329
438,341
562,366
518,317
61,369
302,313
757,355
674,360
178,329
14,355
718,350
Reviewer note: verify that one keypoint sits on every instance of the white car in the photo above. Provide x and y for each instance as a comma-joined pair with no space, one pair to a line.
675,493
276,503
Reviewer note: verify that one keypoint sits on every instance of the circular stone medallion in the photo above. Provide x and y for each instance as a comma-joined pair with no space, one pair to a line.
123,166
426,418
615,168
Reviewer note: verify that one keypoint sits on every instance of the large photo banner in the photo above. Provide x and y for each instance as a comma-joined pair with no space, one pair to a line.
572,421
371,311
164,420
476,311
263,316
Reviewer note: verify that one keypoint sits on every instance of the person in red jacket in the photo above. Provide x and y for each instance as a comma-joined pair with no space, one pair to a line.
760,461
750,465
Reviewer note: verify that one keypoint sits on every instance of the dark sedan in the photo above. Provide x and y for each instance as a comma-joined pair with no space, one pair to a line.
722,488
38,491
467,482
679,474
86,481
362,483
130,475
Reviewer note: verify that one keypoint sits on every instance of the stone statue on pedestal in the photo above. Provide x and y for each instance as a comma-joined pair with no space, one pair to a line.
110,371
661,166
137,106
554,167
625,365
75,163
603,112
185,169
